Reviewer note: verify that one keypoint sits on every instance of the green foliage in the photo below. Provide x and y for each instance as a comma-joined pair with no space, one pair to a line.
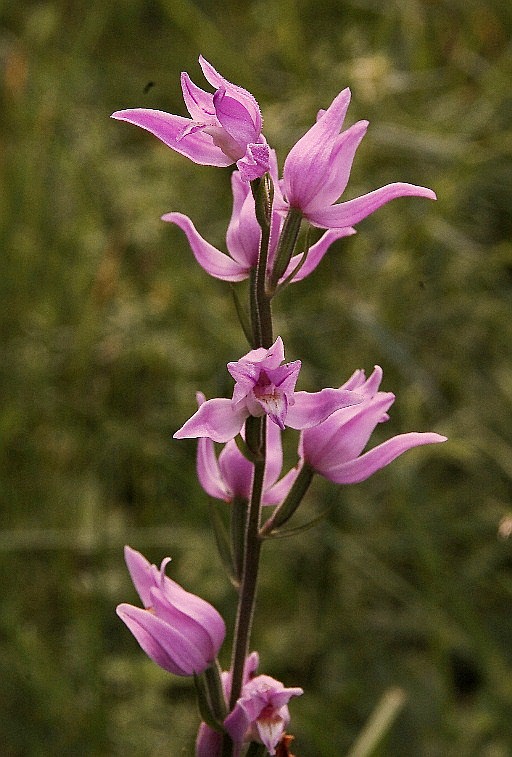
108,328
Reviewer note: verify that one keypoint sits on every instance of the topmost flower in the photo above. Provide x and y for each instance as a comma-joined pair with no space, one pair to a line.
317,170
224,128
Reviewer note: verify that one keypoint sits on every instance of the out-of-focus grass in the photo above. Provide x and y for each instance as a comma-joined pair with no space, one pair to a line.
109,327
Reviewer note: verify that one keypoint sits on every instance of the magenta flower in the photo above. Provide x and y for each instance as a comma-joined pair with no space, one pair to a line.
264,387
209,742
243,240
224,128
317,170
333,448
261,713
231,474
179,631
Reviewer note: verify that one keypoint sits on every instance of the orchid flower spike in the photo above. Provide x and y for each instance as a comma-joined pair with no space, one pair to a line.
243,240
179,631
264,387
333,448
224,128
317,170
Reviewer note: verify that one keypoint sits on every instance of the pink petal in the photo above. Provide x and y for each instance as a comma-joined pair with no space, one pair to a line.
195,630
354,471
244,233
353,211
305,167
310,409
336,170
315,253
208,471
194,607
236,470
271,729
345,434
163,644
141,573
277,493
199,103
274,461
213,261
239,93
208,742
216,419
234,118
197,145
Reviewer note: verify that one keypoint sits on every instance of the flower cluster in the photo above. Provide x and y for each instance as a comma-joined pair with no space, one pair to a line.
180,631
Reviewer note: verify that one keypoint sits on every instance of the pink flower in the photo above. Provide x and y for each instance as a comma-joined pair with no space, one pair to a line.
264,387
179,631
333,448
231,474
317,170
224,128
243,240
260,714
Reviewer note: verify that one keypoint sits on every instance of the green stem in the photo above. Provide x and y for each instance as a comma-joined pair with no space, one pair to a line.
285,247
286,509
247,596
260,301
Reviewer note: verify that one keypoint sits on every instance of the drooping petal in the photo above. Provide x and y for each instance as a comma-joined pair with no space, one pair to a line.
351,212
236,470
271,729
196,145
315,254
208,471
310,409
244,232
164,644
217,419
354,471
213,261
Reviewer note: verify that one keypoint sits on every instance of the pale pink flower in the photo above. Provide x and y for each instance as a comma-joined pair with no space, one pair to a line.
264,387
224,127
179,631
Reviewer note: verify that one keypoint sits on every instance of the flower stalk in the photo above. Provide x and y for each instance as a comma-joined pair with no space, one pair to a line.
248,585
179,631
260,301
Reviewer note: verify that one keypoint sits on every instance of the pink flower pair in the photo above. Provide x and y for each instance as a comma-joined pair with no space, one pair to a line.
225,128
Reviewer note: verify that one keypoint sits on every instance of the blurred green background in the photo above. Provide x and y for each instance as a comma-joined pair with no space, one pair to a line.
109,327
